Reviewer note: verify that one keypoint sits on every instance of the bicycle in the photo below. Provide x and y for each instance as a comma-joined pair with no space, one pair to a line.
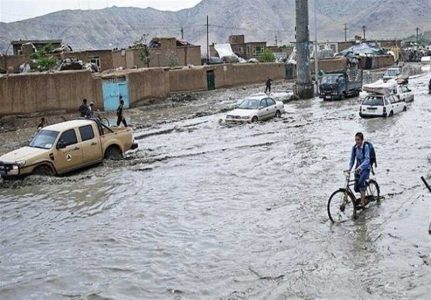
342,205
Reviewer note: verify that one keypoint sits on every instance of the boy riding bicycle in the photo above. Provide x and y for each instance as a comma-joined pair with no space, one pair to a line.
361,156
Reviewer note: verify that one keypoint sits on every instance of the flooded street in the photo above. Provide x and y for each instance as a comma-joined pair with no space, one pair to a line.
204,210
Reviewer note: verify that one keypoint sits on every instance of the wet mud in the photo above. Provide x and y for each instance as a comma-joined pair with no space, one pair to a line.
204,211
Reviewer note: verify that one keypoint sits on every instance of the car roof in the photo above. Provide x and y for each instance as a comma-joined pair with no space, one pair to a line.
257,97
68,125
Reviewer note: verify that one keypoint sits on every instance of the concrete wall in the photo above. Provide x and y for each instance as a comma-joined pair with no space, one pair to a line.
188,80
147,84
28,93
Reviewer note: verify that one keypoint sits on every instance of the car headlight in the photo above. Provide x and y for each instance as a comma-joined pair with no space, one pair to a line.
20,163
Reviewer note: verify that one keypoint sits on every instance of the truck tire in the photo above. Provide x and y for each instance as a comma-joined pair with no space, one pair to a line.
43,170
113,153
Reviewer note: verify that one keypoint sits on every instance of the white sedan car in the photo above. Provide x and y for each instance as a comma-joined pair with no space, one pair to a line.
381,106
255,109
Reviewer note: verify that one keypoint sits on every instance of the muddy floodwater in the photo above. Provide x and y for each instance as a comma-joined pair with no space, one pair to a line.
206,211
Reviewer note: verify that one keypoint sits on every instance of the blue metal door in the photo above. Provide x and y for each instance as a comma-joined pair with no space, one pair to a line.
112,90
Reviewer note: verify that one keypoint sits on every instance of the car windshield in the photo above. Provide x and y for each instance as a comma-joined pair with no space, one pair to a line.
44,139
250,104
392,72
329,79
373,101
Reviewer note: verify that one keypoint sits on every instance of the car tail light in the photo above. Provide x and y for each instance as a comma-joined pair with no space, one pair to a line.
384,109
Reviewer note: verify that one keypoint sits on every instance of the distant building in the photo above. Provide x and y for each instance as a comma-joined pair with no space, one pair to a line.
17,46
101,58
241,48
246,50
380,43
163,52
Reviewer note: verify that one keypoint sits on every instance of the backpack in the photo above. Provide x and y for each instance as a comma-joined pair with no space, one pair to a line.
373,158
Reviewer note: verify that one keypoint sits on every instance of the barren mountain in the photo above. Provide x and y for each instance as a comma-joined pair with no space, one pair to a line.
258,19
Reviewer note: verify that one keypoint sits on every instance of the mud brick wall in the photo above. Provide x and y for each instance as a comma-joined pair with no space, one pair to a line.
147,84
331,65
238,74
44,92
383,61
188,80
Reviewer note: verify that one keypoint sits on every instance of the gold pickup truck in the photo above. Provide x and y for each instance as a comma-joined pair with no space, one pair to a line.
67,146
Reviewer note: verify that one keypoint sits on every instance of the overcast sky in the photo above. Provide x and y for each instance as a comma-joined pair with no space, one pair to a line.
14,10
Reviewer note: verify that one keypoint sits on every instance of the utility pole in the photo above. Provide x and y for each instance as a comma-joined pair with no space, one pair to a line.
316,53
417,36
182,33
363,29
304,86
208,41
345,32
276,41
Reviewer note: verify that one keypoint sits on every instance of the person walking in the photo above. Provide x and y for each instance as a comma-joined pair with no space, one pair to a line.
268,85
120,116
360,159
83,109
41,124
91,111
429,87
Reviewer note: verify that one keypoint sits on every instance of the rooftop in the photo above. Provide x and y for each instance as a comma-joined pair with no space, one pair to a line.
20,42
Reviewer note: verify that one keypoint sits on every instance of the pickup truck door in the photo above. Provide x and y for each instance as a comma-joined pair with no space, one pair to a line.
68,153
91,145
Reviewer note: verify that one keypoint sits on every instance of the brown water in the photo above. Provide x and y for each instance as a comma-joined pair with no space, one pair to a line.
208,211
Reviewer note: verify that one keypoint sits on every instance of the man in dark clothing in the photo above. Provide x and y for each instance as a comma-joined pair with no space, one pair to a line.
120,117
429,87
268,85
84,109
41,124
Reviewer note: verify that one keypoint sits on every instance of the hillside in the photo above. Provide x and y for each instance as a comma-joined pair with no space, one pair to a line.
257,19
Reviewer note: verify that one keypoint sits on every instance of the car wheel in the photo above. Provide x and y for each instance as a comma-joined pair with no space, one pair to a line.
405,108
43,170
254,119
391,114
113,153
277,114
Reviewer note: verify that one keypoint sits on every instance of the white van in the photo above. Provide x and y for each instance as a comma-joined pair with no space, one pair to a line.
376,105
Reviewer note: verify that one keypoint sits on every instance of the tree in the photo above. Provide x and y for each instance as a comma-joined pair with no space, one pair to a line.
143,52
43,60
266,56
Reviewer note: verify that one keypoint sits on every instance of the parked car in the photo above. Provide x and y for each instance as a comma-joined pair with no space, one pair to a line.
340,85
377,105
391,73
255,109
67,146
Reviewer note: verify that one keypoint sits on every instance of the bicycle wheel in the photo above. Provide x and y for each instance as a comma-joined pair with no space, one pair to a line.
373,191
341,206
